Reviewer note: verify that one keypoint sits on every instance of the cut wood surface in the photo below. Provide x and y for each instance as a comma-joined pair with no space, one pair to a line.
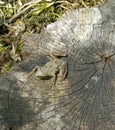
85,99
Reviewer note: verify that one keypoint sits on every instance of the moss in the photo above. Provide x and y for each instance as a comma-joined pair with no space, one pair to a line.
19,47
89,3
6,67
43,14
3,48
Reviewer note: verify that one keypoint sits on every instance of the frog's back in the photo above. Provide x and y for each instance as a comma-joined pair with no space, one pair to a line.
50,68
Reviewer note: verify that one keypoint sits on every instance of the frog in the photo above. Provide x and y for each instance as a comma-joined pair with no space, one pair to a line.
55,69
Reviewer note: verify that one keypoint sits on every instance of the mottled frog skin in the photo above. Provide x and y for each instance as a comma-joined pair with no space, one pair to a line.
56,68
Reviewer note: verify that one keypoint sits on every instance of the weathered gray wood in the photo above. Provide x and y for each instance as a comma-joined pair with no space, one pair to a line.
85,99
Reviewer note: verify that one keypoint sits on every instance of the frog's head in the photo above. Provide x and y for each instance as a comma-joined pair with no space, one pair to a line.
42,73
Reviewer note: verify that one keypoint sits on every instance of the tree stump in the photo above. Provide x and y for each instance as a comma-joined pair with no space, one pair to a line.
85,99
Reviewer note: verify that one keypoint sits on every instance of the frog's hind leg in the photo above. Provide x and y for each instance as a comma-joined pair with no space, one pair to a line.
53,80
63,71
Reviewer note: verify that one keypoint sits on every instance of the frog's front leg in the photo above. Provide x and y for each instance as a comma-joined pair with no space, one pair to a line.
63,71
56,55
33,70
9,128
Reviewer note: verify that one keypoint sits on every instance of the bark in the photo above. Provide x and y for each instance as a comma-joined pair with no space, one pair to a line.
85,99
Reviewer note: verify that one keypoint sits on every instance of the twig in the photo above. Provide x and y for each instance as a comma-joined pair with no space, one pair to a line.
83,3
2,2
26,4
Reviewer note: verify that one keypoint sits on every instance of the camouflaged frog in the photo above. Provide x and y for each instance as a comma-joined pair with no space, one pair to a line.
56,68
